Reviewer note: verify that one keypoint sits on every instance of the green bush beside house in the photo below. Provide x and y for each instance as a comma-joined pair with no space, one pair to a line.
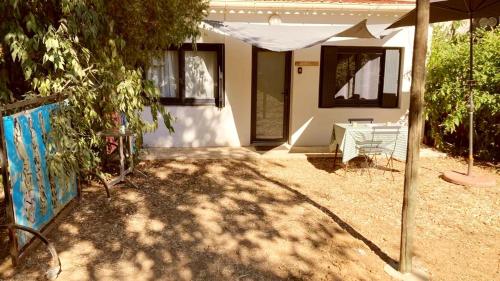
447,122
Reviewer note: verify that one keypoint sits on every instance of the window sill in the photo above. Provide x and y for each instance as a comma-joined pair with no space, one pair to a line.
357,106
187,102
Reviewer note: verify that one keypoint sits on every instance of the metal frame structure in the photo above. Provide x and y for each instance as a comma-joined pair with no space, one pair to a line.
370,149
17,253
127,134
55,263
350,120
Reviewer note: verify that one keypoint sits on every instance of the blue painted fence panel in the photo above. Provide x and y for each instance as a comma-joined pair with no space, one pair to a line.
37,196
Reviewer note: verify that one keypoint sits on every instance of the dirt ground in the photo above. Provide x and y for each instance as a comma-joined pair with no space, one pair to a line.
3,236
262,219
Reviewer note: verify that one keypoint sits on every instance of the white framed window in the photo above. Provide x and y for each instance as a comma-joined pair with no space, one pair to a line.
190,76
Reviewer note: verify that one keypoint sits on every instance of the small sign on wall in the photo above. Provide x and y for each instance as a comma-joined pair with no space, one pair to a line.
307,63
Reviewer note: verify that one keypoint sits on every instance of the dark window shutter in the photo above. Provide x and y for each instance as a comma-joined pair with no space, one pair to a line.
221,99
221,94
389,100
327,76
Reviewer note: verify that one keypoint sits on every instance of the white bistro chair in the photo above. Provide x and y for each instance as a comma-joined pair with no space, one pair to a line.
383,142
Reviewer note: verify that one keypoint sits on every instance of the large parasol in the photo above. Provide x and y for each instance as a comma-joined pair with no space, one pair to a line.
449,10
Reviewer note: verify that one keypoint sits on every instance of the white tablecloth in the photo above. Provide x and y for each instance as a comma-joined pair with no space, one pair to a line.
347,135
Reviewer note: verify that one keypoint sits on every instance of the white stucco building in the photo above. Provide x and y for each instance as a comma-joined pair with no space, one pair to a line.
230,92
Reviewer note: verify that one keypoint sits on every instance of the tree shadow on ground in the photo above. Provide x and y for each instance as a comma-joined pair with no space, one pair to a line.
204,220
345,226
354,164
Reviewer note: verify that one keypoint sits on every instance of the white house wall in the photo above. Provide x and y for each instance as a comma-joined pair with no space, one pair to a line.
198,126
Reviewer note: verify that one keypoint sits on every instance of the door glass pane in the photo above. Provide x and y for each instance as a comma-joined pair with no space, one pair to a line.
270,91
201,74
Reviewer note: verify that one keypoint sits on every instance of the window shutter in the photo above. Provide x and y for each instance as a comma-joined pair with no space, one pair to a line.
221,100
221,95
327,78
390,89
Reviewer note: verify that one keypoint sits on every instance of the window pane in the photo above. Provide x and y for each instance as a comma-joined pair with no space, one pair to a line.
344,82
391,72
367,77
201,74
165,74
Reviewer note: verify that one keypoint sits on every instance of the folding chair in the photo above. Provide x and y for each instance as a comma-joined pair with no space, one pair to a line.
383,141
350,120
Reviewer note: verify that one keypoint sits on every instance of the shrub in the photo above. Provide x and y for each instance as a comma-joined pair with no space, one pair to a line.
447,117
95,53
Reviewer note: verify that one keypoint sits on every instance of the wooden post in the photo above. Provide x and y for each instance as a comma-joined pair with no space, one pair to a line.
471,93
9,205
414,135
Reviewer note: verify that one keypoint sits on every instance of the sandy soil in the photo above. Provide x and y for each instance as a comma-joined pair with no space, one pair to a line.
292,219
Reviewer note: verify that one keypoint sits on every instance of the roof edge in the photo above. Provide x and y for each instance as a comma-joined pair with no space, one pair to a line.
218,4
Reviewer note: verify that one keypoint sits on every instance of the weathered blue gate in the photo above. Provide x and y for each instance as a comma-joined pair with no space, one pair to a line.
34,196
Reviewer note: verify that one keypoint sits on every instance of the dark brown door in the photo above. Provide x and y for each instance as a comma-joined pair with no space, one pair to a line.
270,96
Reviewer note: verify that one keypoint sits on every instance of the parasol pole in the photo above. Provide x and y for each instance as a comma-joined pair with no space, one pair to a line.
470,179
471,95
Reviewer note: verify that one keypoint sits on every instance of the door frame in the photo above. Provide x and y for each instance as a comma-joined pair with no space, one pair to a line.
286,99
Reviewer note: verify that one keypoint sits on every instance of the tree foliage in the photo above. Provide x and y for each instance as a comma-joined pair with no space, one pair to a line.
94,52
447,91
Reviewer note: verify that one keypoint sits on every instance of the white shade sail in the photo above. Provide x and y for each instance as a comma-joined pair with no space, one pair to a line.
287,37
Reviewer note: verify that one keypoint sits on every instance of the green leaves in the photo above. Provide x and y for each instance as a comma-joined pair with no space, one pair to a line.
447,92
94,52
149,26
